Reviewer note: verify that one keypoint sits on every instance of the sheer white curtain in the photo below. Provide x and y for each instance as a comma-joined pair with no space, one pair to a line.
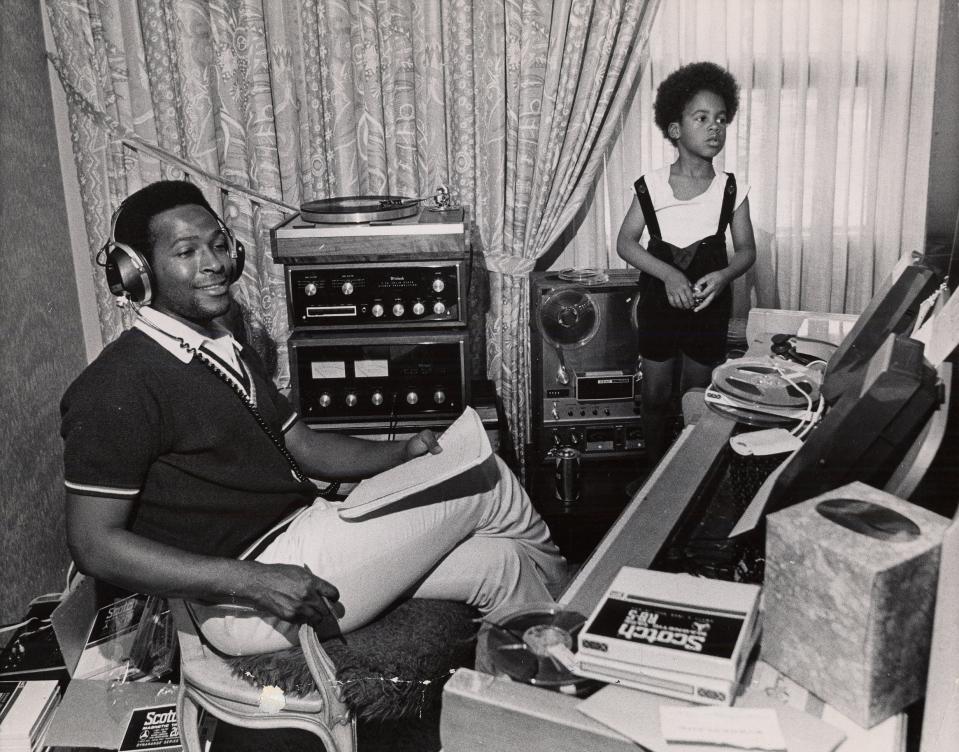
832,135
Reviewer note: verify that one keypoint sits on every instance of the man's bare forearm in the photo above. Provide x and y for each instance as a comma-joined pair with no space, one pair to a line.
145,566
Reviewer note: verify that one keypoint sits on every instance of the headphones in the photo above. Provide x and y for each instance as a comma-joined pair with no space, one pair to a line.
129,274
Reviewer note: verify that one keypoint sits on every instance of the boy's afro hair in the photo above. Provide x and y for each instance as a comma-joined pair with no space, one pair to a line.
683,84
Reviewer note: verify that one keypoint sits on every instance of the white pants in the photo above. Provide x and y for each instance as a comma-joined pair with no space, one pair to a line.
475,539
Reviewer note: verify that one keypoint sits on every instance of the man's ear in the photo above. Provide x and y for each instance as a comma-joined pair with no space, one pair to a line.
673,131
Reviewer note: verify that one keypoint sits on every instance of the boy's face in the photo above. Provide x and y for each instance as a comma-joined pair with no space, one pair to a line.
191,264
702,129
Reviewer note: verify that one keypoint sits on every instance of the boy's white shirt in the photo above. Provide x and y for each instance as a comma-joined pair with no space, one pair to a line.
685,222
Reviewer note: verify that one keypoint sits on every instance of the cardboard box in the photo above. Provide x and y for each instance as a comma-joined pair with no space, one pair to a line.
98,714
673,622
850,587
97,628
701,690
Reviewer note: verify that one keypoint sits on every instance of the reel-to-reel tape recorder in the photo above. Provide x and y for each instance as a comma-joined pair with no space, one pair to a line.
585,363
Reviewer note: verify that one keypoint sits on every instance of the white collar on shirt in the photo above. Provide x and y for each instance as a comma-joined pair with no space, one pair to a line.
168,331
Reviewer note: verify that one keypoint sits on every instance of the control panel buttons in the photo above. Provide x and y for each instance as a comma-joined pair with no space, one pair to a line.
439,396
377,398
351,400
412,398
325,400
364,295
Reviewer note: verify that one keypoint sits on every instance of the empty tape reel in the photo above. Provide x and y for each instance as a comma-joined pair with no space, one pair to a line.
358,209
518,646
765,381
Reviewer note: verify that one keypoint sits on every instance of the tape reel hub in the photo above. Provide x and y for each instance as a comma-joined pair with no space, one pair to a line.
541,637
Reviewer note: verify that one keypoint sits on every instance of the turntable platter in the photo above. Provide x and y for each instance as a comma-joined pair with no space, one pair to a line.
358,209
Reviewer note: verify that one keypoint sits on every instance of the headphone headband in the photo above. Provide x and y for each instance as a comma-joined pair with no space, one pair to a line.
129,273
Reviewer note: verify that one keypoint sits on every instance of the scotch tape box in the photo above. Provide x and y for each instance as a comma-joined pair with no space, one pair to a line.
673,622
849,596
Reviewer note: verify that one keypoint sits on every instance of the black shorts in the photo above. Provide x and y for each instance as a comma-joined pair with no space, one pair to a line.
664,331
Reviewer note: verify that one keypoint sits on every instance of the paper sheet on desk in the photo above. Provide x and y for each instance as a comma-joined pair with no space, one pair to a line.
465,445
737,728
635,714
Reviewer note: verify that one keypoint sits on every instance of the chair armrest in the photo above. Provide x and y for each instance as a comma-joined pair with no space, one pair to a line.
324,675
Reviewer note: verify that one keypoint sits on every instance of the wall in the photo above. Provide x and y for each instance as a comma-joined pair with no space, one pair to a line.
41,347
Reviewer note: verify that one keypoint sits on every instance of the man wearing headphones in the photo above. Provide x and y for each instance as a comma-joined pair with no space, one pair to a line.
189,475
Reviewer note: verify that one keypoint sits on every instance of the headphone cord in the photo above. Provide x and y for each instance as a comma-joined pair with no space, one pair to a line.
251,408
330,491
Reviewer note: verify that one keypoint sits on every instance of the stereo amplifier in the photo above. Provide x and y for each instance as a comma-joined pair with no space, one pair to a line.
388,376
379,295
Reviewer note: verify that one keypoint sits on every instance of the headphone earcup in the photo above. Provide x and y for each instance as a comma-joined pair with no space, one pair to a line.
239,257
128,273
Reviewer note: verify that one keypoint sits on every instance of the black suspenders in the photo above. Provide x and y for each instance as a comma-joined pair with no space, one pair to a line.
649,213
646,204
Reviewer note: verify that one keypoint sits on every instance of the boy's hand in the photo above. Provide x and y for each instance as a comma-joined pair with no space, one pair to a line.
679,292
707,288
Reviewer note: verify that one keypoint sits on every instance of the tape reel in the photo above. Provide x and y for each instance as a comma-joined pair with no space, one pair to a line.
518,646
765,381
569,318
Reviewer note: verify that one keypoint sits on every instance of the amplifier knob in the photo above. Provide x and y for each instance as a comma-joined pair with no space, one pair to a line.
377,398
310,289
325,400
554,411
398,310
419,308
347,288
376,310
439,308
351,400
412,398
438,285
439,397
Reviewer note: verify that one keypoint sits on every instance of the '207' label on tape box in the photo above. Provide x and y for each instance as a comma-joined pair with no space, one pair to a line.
663,625
154,729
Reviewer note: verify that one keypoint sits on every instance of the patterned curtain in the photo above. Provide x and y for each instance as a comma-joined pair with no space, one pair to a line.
509,103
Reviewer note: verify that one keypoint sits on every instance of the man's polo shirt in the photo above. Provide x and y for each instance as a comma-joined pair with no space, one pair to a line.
150,422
